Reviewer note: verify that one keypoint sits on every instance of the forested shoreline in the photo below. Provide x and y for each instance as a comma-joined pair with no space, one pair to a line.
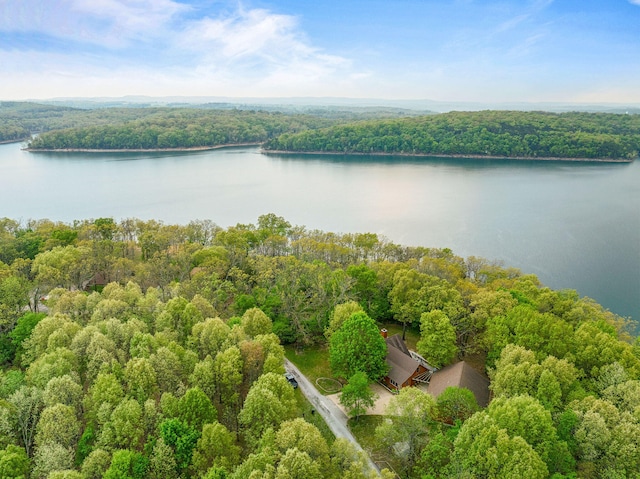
141,150
484,134
502,134
178,128
442,155
138,349
20,120
103,126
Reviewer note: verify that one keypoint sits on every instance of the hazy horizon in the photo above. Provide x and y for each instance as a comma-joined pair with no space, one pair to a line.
305,104
488,52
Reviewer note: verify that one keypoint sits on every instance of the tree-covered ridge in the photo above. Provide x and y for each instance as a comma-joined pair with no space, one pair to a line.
486,133
19,120
179,128
173,367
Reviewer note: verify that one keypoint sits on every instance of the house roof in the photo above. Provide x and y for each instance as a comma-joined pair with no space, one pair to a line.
397,342
460,375
401,364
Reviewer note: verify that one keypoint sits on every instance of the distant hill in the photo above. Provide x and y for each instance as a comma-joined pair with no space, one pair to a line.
421,105
19,120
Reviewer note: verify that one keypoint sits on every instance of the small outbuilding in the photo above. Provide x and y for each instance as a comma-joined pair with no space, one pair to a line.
96,283
461,375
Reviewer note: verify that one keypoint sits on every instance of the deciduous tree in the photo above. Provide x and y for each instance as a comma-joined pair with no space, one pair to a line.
127,465
483,449
58,424
25,406
524,416
140,377
297,433
408,424
51,457
227,370
162,464
95,464
14,462
456,404
270,402
357,395
255,322
210,336
358,347
340,314
407,302
296,464
216,447
64,390
196,409
125,428
437,342
182,438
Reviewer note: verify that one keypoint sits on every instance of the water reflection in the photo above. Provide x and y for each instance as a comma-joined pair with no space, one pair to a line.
576,225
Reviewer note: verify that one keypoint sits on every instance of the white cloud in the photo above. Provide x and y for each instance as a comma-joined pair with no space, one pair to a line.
512,23
635,2
247,32
260,48
130,17
156,50
98,22
529,12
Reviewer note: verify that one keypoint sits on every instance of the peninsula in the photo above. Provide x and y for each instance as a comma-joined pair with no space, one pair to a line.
484,134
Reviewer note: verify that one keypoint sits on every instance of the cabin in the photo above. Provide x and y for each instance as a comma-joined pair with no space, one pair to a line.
461,375
406,368
96,283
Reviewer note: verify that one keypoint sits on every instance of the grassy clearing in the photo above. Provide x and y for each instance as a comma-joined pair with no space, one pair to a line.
307,413
364,429
313,362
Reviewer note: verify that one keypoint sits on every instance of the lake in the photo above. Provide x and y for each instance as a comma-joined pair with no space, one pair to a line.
574,225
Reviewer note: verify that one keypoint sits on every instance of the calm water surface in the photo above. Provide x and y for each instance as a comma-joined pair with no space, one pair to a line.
575,225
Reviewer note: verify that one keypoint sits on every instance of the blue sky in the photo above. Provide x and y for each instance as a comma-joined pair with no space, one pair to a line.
449,50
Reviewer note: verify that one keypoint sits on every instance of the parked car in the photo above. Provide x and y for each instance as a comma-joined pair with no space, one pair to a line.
291,379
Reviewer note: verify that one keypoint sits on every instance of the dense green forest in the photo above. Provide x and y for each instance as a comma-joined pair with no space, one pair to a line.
138,349
19,120
486,133
328,130
178,126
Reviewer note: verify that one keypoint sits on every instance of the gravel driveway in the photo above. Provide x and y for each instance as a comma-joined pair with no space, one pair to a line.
335,417
384,396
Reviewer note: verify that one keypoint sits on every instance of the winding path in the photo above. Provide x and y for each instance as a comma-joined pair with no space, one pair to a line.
332,415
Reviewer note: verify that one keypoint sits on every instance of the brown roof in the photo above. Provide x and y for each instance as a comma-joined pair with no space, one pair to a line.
463,376
401,364
397,342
